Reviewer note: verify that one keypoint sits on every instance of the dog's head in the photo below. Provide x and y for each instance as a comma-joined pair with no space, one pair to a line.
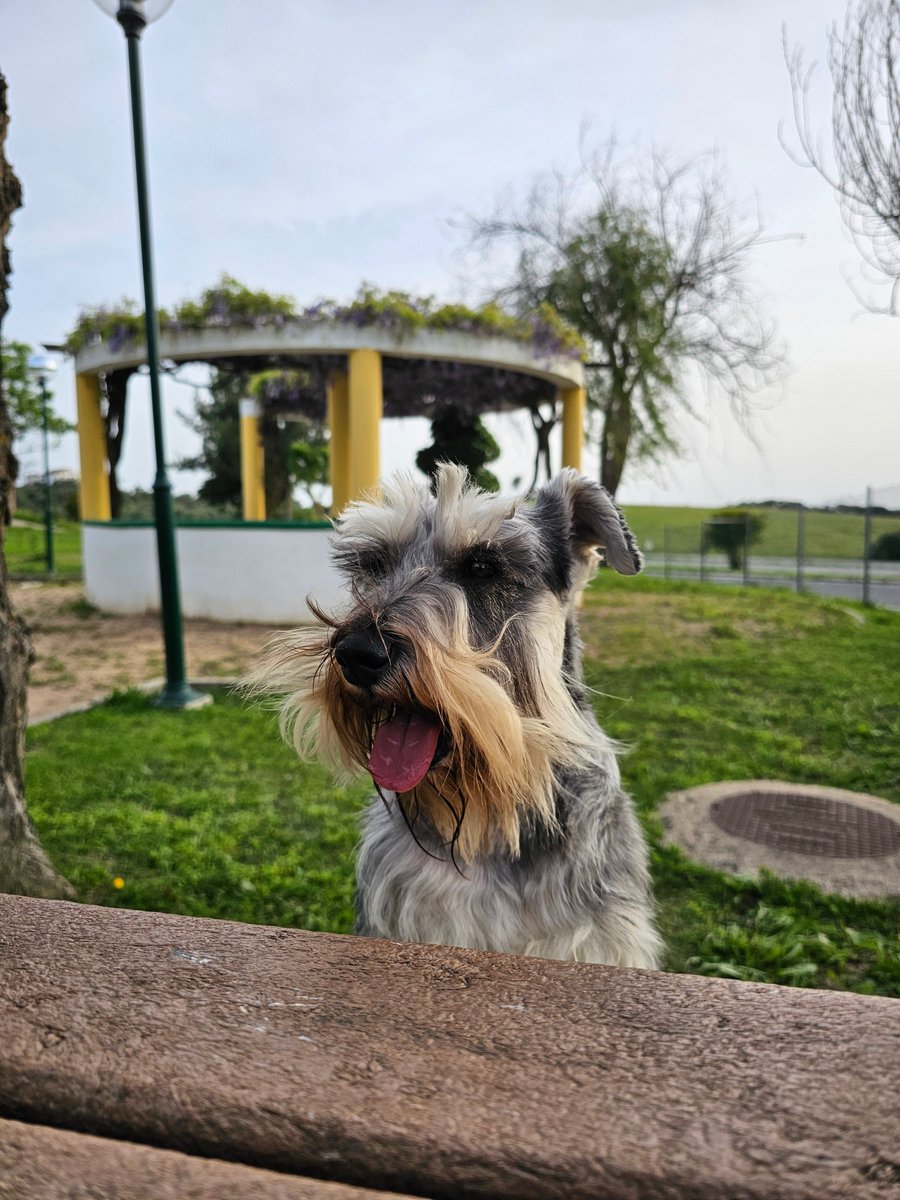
449,676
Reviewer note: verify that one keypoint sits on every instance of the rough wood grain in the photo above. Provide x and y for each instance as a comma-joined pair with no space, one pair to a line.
441,1072
37,1163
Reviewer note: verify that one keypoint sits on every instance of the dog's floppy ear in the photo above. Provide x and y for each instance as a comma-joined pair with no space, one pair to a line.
594,520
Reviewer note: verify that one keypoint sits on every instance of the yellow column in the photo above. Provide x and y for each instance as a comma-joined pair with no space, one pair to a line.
339,441
253,492
93,490
364,404
573,402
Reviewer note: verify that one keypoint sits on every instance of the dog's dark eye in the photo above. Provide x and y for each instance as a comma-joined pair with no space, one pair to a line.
481,568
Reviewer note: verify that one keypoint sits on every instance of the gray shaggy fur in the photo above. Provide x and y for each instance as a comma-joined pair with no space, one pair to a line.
558,870
582,894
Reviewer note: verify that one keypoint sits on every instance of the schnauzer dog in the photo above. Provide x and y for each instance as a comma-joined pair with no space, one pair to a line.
454,678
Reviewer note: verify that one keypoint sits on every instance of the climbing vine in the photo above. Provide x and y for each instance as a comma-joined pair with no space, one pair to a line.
433,388
231,303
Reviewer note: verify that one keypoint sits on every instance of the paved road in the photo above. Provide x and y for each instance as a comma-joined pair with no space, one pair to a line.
884,587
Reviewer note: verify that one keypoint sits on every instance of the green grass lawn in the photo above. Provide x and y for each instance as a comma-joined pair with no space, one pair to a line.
24,547
207,813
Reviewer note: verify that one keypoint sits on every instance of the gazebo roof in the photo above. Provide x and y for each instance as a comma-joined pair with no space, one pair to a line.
291,343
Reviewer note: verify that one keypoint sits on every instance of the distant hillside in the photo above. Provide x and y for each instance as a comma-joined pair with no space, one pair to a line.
829,533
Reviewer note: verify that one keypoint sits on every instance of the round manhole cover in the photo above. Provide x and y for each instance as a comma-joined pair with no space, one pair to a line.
804,824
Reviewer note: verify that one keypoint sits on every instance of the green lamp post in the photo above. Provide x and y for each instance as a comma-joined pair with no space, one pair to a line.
40,366
134,16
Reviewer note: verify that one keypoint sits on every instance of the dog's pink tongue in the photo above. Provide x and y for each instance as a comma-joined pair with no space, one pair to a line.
403,750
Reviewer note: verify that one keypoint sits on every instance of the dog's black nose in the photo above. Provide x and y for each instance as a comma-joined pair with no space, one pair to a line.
363,657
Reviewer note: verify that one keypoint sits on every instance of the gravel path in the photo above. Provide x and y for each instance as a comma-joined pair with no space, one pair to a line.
83,655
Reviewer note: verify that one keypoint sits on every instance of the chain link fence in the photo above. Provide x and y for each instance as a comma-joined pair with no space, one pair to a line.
851,550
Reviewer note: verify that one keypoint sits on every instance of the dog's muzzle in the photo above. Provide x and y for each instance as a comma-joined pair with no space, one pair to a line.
364,657
407,739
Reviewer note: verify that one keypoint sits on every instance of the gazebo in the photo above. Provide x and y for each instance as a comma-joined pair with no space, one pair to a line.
262,570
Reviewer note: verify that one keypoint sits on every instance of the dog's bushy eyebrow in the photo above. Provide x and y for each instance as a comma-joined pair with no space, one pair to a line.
395,517
465,515
511,539
353,553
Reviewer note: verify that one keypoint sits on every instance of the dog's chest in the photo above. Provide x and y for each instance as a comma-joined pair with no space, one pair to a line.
404,894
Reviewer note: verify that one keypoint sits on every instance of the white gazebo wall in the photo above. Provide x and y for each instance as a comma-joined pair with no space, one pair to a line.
249,572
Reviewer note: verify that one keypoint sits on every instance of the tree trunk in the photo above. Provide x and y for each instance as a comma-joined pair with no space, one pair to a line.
277,478
116,387
614,442
543,426
24,867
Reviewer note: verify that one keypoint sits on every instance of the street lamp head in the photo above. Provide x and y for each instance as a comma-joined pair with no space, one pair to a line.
41,364
133,15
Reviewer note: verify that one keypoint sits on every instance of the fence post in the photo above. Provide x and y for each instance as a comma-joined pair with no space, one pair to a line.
801,544
666,541
746,579
703,525
867,539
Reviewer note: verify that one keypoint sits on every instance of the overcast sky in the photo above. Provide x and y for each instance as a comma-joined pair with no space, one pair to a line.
305,146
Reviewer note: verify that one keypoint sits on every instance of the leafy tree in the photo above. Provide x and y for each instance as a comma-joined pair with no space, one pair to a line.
24,401
137,505
310,462
216,418
460,436
30,497
649,265
864,166
293,430
24,867
617,260
732,530
114,391
277,435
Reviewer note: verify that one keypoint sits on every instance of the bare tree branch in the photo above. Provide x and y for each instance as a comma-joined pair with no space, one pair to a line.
863,167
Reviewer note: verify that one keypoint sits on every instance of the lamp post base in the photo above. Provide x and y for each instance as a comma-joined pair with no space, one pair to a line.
182,696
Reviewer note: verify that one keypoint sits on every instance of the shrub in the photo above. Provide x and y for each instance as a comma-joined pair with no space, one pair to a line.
887,547
461,437
731,530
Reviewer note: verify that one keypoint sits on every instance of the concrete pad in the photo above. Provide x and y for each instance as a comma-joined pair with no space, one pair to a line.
688,823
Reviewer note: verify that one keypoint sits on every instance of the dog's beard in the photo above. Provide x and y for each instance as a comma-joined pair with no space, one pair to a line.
494,765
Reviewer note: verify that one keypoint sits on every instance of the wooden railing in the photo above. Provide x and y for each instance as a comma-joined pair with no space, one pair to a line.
144,1055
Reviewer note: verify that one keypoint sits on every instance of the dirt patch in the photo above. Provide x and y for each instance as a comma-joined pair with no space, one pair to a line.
82,655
